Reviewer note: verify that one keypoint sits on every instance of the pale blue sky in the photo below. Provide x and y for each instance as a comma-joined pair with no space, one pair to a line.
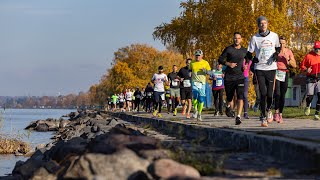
52,46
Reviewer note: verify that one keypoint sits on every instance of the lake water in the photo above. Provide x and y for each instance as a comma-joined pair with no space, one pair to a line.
13,122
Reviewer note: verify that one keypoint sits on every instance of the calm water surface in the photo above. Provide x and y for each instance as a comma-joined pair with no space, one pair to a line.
13,122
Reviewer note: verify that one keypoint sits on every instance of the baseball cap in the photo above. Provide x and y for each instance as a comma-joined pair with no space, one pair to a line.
198,52
316,45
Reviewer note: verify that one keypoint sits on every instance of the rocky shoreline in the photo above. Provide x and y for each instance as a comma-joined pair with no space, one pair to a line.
93,145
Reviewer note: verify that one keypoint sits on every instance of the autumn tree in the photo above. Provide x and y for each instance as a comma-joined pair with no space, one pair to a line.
133,66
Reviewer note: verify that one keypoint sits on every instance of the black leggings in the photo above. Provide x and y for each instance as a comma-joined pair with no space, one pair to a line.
280,94
266,81
218,99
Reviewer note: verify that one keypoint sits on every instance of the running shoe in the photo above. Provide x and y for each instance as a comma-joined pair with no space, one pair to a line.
155,112
195,114
216,113
238,120
159,115
307,111
280,118
316,117
276,117
199,118
188,116
246,116
229,112
175,112
264,122
269,116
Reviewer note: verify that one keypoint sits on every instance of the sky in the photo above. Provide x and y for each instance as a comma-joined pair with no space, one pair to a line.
53,47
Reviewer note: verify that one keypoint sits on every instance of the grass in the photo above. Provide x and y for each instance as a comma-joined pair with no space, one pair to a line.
288,112
10,146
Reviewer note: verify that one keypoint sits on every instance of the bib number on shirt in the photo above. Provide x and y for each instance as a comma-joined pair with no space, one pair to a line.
174,83
281,75
149,94
186,83
219,82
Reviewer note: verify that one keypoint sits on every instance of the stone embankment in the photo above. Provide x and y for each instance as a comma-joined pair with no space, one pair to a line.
93,145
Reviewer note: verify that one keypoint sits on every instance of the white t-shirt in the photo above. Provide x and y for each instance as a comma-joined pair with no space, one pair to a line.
159,80
129,96
264,48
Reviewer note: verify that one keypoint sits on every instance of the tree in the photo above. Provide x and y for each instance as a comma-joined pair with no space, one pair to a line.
133,66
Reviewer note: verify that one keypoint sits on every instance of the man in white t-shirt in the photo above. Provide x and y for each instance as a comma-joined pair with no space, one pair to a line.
266,46
158,80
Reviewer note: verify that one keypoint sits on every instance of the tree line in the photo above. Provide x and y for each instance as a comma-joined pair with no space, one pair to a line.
67,101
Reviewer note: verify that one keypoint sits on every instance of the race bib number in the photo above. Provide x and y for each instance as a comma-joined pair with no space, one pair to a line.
174,83
219,82
149,94
198,85
138,96
186,83
281,76
121,100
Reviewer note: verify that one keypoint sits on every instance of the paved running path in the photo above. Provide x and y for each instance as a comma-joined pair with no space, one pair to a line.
299,129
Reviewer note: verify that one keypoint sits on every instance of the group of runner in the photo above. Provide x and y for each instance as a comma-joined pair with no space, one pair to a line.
267,59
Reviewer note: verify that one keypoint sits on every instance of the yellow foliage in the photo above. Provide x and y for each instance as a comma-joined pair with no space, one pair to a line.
133,66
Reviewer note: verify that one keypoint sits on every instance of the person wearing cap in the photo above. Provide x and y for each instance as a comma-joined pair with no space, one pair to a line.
233,57
266,46
199,69
158,79
311,65
174,89
137,94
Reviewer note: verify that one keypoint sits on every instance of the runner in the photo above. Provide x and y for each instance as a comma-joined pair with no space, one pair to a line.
167,98
267,47
129,99
137,94
311,65
174,89
114,99
285,59
233,57
246,88
217,88
109,106
199,69
158,80
143,99
121,102
184,75
149,94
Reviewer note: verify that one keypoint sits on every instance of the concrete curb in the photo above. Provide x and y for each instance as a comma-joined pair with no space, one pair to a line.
301,153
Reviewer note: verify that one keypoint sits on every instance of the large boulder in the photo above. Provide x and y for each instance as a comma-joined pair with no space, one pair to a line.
123,164
167,168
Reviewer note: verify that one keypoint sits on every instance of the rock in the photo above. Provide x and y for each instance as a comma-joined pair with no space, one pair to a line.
63,123
75,146
110,143
120,165
27,169
152,155
41,173
113,122
167,168
42,127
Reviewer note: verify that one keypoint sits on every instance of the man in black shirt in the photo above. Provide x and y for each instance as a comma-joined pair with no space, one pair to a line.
174,89
184,75
233,57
